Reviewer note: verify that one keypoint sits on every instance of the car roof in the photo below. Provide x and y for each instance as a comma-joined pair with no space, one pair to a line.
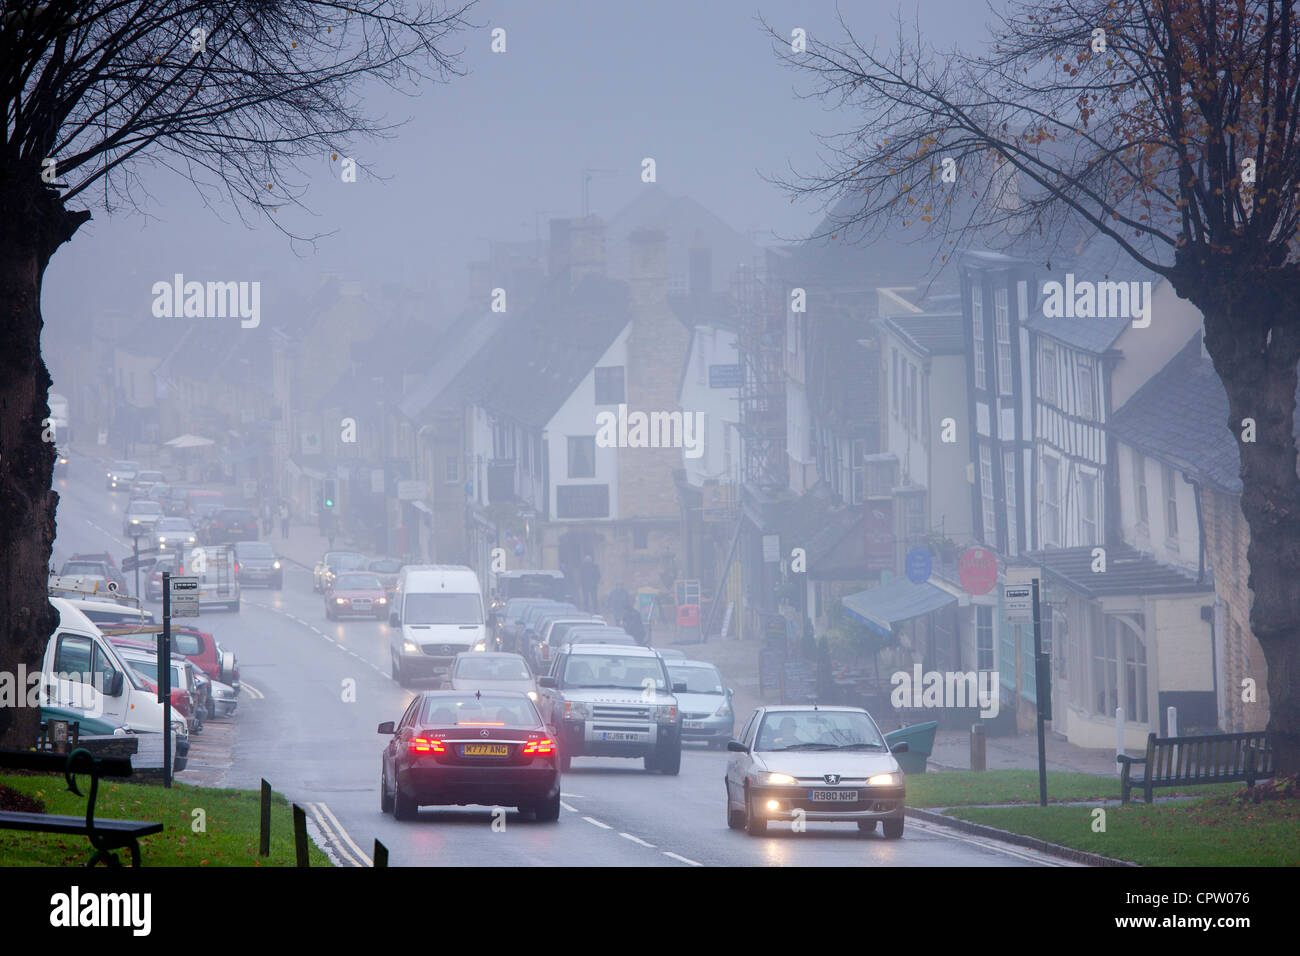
686,662
452,694
839,708
549,572
633,650
492,654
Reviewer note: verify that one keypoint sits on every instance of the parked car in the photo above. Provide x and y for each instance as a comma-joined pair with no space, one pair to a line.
174,533
815,762
551,635
120,475
458,748
256,563
140,518
491,671
229,525
355,594
332,563
153,586
142,657
94,565
706,703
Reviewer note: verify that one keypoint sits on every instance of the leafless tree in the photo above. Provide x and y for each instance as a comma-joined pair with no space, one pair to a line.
1169,126
234,95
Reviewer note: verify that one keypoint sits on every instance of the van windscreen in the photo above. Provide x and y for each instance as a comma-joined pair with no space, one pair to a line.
426,608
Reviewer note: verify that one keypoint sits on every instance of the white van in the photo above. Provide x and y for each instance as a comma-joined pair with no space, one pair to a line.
214,565
83,672
437,613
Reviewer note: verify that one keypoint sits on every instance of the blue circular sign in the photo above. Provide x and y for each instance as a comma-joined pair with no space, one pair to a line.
919,565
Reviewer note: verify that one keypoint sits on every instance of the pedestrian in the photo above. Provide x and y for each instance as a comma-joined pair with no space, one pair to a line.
284,519
619,601
268,517
589,578
632,623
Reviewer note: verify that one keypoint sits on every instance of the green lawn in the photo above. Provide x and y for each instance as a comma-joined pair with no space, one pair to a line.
962,787
1211,832
230,839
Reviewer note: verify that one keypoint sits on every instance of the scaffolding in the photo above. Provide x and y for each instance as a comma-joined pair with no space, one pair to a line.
761,338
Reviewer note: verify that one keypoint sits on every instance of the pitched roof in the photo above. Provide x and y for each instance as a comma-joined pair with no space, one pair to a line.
471,332
928,334
1128,571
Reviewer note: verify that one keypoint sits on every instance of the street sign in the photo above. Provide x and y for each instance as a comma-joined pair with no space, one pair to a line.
978,570
1018,603
919,565
409,490
726,376
185,595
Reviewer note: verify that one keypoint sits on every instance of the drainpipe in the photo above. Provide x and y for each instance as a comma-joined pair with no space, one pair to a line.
1200,530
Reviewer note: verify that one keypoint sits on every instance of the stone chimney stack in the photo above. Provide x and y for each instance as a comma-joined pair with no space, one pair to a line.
577,248
648,269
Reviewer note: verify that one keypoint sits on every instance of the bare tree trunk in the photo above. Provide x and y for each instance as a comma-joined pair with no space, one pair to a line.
1255,345
33,223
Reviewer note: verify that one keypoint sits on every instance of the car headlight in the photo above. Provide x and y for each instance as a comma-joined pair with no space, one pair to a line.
191,539
135,521
576,710
663,713
723,711
223,693
532,695
894,779
777,779
410,647
180,729
275,564
381,600
340,600
480,646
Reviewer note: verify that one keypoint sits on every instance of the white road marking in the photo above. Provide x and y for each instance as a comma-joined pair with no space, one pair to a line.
569,808
596,823
636,839
315,809
682,858
366,861
951,834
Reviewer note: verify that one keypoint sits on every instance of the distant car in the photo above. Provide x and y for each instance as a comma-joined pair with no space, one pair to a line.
706,702
158,492
94,565
201,501
153,589
175,502
140,518
256,563
814,762
596,634
387,569
456,748
174,533
332,563
60,462
120,475
492,671
144,480
541,649
355,593
231,524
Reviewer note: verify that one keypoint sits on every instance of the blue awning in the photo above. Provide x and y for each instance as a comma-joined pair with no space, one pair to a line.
898,600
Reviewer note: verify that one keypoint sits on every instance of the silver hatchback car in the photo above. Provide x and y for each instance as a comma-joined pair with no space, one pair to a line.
813,763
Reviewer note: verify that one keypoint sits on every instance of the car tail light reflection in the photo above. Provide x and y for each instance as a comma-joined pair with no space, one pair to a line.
544,746
426,745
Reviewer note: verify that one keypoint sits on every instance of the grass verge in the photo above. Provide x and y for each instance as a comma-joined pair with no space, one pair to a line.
962,788
231,819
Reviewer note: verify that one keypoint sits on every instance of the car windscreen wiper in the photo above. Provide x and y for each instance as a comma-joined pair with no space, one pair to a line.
812,746
860,746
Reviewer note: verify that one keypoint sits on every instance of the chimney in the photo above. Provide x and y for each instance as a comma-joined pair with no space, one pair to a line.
701,270
577,248
648,267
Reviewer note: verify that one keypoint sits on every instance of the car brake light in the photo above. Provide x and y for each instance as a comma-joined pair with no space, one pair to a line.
426,745
544,746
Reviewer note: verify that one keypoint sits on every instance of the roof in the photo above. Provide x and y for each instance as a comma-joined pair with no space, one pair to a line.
463,341
1128,571
929,334
635,650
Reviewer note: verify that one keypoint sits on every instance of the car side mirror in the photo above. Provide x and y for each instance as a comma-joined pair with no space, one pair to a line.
115,683
546,682
679,687
899,748
387,727
731,692
394,620
736,747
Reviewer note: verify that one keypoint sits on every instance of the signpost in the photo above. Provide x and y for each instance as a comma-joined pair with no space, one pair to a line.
1042,692
726,376
165,675
919,565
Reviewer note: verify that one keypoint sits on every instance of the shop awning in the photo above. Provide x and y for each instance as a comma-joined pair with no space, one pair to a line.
894,602
419,505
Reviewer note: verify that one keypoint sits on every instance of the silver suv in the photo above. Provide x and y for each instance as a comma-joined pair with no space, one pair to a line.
613,701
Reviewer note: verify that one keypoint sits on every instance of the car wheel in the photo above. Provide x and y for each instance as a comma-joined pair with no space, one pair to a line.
548,811
404,806
754,824
670,763
866,826
893,829
651,762
735,818
236,606
385,798
566,761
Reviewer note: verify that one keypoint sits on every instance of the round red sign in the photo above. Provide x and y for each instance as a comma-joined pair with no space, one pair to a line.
978,570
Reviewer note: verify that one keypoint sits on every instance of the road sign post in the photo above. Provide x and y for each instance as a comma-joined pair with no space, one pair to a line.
1040,694
165,675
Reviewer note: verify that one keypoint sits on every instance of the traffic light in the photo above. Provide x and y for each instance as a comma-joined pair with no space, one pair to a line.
328,493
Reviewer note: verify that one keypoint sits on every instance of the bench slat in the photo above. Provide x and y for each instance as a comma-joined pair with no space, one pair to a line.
57,823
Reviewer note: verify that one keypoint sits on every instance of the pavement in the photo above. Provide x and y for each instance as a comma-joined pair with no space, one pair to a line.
952,752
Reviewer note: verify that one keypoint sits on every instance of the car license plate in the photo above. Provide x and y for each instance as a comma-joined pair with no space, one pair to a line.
606,735
833,796
693,724
485,750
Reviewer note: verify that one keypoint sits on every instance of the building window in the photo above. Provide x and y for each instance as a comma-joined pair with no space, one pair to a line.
640,539
609,385
986,496
1002,328
1051,501
1047,387
914,384
1012,499
1087,406
977,320
897,383
1104,665
1171,506
451,470
1088,508
984,638
582,456
582,501
1135,674
907,395
1140,489
1057,640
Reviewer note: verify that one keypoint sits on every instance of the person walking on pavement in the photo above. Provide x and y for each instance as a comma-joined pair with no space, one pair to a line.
284,519
632,623
619,601
589,578
268,516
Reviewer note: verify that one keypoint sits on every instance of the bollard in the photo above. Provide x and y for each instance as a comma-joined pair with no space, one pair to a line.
300,834
978,747
1119,733
381,854
264,841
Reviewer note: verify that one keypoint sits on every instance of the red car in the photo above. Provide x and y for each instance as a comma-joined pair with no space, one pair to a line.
357,593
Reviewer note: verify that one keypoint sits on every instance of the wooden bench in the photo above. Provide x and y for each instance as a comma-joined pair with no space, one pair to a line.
1212,758
106,836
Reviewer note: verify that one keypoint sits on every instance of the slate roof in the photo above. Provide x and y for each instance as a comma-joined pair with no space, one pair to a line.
929,334
462,342
1128,571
